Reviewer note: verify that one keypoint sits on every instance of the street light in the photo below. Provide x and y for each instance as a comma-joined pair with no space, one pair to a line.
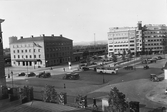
12,78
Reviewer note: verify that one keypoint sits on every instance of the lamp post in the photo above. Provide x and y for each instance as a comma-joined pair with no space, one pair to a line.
12,78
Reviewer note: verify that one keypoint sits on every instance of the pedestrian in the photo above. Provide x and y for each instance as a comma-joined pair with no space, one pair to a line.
64,86
64,69
94,103
8,75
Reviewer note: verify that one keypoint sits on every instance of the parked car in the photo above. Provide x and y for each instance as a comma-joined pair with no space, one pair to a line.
84,68
21,74
43,75
72,76
31,74
159,57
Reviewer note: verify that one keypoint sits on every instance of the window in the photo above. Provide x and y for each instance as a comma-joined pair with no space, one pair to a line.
30,56
26,50
22,51
34,56
17,51
13,51
34,50
22,56
14,56
18,56
26,56
38,50
29,50
39,56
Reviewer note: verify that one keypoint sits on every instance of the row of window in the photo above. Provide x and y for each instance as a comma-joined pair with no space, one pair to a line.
154,32
118,38
57,54
153,44
155,36
154,48
154,40
26,51
26,56
58,49
121,34
116,50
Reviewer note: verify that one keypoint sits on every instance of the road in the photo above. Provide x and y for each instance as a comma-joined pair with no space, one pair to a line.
91,81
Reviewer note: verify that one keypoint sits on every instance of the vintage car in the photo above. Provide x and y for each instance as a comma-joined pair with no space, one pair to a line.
21,74
31,74
72,76
43,75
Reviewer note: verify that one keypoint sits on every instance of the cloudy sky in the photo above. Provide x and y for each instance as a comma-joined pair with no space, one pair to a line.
76,19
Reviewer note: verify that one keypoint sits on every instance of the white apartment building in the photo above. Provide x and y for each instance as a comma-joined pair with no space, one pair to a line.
124,38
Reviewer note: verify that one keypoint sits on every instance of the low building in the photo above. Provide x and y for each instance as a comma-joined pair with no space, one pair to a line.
42,51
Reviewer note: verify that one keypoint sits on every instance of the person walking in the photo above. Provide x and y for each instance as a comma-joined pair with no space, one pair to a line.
94,103
64,69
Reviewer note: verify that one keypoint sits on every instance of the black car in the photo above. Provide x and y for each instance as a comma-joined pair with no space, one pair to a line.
43,75
85,68
21,74
31,74
72,76
159,57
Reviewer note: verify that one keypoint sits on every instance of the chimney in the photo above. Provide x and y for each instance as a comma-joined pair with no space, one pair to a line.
52,35
61,35
21,37
32,36
43,35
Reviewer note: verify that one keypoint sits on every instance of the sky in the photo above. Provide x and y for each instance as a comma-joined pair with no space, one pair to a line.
79,20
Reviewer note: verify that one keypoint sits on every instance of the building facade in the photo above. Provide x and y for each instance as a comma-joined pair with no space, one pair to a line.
125,38
42,51
153,36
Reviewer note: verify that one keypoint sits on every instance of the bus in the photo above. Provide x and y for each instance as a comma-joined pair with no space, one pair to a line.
108,70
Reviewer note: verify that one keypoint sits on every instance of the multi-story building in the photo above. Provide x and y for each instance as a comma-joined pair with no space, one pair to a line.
125,38
42,51
153,36
2,67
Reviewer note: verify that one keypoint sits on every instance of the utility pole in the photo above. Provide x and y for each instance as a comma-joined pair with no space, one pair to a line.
94,43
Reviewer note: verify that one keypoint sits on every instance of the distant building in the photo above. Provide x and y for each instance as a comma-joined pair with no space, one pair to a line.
2,67
98,49
125,38
42,51
153,36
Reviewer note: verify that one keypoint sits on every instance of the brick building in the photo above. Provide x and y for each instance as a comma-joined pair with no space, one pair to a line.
42,51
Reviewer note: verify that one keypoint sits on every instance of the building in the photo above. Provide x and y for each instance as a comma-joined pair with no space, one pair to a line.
42,51
2,67
153,36
125,38
98,49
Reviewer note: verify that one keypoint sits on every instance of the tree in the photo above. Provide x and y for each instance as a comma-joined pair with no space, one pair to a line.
123,55
119,53
150,52
85,54
114,58
129,54
117,102
49,94
164,44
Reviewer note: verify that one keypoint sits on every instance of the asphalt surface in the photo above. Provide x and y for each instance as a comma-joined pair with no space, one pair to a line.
90,80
